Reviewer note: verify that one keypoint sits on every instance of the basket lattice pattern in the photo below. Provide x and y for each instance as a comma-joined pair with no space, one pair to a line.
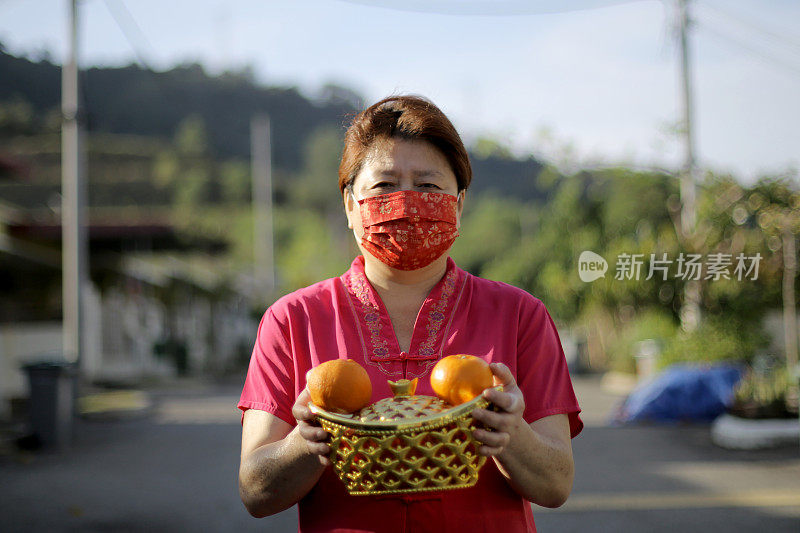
402,408
438,454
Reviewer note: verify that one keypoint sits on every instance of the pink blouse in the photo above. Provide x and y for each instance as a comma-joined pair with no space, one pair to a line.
345,317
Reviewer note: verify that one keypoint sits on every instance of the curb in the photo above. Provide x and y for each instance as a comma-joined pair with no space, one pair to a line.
121,403
736,433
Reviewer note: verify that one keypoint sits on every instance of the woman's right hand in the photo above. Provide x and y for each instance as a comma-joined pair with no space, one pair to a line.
313,435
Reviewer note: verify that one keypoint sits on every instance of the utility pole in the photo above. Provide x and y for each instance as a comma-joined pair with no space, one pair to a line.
261,171
789,308
73,201
690,311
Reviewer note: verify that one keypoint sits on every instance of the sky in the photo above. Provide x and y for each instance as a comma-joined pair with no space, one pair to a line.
576,82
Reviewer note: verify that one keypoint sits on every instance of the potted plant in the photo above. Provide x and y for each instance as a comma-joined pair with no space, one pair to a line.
765,392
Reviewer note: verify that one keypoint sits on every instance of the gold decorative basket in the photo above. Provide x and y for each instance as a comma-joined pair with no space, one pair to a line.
409,443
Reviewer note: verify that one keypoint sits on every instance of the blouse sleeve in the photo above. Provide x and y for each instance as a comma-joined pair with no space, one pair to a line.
270,382
542,373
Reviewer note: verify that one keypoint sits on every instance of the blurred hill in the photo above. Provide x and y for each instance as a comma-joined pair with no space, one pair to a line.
134,101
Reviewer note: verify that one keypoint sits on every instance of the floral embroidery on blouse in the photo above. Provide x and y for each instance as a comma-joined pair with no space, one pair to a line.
376,346
370,313
437,314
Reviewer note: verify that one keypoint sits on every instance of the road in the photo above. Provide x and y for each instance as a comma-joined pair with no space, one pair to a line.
175,470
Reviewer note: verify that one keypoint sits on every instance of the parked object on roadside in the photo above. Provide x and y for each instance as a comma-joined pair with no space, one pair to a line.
52,397
682,392
736,433
766,392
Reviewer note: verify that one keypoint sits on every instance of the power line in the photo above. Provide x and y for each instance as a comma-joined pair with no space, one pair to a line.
777,51
779,61
759,26
767,48
490,7
130,30
136,38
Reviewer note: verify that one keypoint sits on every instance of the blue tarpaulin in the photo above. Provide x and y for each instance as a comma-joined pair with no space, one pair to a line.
682,392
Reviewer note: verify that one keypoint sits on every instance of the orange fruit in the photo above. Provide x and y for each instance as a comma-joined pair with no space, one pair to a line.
339,386
459,378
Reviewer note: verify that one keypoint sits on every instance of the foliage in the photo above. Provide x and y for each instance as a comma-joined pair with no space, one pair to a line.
591,211
315,186
764,388
307,250
620,211
655,324
184,170
490,225
235,182
485,147
767,390
718,338
16,116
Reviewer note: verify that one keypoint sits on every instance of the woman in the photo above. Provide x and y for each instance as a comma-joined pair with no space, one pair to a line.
402,306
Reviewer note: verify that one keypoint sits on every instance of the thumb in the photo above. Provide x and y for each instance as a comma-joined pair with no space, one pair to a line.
502,375
300,408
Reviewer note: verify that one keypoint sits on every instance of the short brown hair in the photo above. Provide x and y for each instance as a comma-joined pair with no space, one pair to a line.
405,117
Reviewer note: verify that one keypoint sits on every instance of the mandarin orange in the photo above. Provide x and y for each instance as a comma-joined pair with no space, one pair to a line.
339,386
459,378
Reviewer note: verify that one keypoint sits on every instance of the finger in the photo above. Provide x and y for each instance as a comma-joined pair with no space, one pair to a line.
302,413
489,451
494,439
507,401
318,448
498,421
304,397
312,433
300,408
502,375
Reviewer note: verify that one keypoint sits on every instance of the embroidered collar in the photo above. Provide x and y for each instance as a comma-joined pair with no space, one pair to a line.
378,340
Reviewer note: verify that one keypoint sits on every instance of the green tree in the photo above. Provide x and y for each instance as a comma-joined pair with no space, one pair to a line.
16,117
315,187
490,226
186,169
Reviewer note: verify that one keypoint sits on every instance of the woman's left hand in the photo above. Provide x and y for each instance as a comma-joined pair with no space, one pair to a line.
507,421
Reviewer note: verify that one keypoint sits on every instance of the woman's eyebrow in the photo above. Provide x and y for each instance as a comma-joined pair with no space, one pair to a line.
427,174
387,172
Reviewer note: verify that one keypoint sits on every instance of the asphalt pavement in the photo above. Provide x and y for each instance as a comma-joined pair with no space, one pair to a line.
173,467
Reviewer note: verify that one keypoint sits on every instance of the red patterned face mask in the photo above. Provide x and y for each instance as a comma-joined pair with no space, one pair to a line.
408,230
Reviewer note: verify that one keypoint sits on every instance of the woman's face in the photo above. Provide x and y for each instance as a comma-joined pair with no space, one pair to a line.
400,165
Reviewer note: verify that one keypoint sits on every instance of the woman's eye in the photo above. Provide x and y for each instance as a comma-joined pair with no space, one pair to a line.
381,185
429,186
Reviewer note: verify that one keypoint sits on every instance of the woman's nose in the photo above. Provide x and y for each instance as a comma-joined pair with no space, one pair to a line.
405,184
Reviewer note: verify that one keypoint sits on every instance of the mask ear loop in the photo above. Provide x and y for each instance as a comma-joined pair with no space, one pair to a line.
349,188
352,194
462,194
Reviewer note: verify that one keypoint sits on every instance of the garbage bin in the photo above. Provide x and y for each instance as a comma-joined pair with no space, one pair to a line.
647,352
52,399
